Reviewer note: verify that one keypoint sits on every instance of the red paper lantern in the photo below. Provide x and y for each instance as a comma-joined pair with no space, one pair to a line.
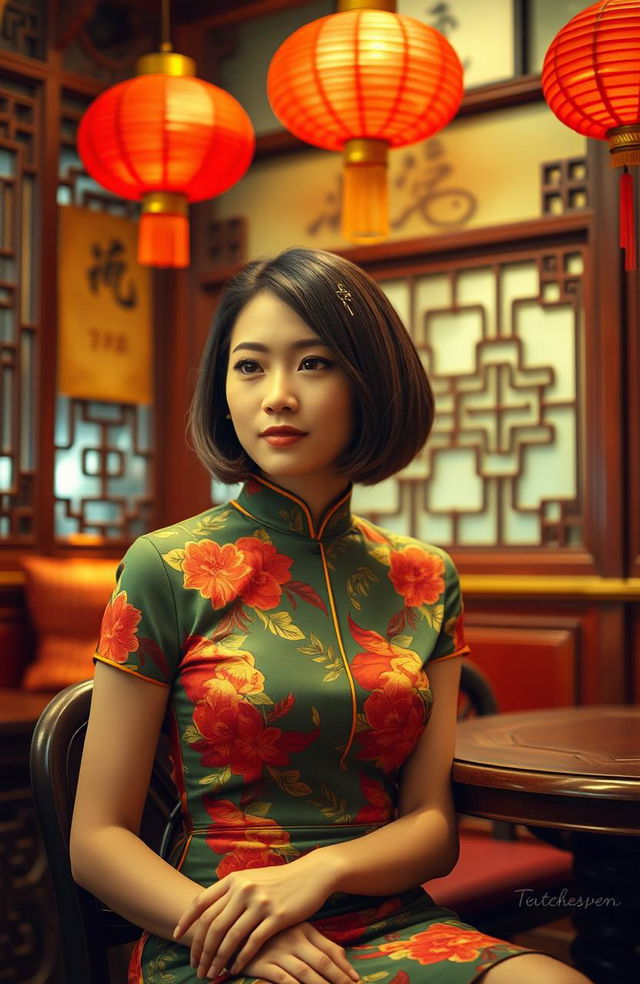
165,138
363,80
591,81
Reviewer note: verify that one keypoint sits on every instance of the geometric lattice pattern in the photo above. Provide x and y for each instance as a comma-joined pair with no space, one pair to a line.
502,344
102,460
103,451
564,185
22,27
20,108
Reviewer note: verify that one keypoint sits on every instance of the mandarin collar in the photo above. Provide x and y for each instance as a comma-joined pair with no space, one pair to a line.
271,505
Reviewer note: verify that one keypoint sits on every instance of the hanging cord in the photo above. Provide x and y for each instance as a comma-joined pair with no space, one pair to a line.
165,42
627,220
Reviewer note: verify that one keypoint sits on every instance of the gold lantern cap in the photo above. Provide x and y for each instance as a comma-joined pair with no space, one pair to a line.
624,145
389,5
364,150
164,202
165,62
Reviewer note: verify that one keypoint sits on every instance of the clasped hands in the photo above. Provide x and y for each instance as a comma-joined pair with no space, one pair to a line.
233,919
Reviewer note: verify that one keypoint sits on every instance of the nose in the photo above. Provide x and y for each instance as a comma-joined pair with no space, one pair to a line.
280,394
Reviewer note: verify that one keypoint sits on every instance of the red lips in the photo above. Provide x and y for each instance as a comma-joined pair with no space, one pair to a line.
283,431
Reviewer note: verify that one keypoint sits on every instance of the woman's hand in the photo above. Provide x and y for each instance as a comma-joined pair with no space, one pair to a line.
301,955
239,913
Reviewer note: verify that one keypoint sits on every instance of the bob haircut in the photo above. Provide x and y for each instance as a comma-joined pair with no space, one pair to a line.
392,396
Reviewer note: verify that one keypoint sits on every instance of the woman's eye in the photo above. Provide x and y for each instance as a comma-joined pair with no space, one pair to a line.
315,360
246,367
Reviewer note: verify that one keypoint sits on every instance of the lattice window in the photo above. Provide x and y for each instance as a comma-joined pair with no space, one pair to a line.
503,346
22,27
20,107
564,185
103,451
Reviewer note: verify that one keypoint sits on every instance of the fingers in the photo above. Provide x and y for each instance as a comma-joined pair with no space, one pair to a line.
316,968
253,936
214,945
302,955
334,953
199,905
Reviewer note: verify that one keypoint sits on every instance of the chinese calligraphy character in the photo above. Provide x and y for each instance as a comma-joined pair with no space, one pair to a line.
437,206
108,271
442,18
330,215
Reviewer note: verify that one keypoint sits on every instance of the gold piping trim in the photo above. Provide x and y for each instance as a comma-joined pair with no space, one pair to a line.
126,669
554,585
332,511
300,502
185,848
232,502
289,495
465,651
344,659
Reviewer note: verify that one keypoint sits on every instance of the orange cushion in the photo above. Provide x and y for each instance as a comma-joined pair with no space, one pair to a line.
66,599
489,872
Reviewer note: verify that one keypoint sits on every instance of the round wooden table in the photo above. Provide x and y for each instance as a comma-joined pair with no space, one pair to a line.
573,769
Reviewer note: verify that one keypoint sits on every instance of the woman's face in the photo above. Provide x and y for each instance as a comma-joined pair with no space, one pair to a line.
281,374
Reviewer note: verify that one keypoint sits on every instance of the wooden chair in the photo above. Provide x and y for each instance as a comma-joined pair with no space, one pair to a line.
89,931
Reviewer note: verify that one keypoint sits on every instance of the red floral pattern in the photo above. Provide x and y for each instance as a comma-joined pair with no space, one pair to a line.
245,841
396,719
384,662
234,734
217,572
417,575
118,633
269,569
440,941
206,663
380,807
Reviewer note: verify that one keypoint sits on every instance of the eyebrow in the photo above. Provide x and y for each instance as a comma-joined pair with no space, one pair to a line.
300,344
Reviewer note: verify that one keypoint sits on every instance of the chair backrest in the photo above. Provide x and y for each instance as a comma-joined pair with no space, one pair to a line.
88,928
476,696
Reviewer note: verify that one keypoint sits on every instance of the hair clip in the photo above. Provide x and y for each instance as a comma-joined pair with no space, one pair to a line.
345,297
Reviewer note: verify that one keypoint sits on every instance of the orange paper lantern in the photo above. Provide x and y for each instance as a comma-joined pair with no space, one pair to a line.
591,81
363,80
165,138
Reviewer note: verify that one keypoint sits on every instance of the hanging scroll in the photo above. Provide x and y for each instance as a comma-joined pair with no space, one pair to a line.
104,297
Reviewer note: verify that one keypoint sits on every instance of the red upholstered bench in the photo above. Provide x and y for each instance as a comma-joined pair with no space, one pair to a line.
483,888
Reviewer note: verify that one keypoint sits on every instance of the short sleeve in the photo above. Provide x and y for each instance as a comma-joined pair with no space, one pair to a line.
139,625
450,641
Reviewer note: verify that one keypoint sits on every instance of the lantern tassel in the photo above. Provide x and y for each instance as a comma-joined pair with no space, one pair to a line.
365,204
163,236
627,221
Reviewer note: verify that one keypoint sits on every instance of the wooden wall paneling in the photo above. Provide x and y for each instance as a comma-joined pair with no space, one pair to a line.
631,440
633,682
605,476
528,667
17,639
48,314
605,678
596,637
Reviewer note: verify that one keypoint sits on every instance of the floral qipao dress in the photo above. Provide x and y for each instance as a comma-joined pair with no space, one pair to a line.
296,656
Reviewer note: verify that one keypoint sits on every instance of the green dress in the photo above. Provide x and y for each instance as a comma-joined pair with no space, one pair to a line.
296,658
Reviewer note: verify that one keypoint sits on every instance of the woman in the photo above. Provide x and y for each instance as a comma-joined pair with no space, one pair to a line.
288,642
